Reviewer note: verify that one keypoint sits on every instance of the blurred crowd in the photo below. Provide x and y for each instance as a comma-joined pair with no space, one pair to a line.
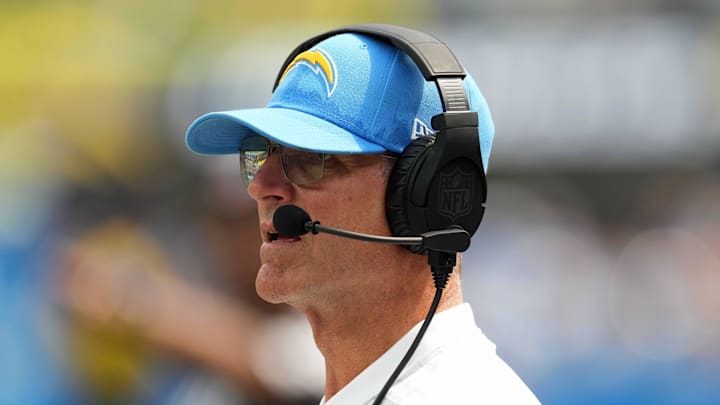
618,303
112,304
127,264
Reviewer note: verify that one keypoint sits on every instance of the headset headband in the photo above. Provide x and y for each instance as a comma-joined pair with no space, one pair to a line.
435,60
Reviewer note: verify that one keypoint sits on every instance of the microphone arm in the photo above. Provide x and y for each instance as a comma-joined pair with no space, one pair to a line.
450,240
292,220
316,228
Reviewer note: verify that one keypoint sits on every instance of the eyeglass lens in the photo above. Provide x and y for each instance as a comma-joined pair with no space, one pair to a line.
299,167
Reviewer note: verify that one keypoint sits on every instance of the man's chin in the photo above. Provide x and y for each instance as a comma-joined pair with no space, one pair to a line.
272,284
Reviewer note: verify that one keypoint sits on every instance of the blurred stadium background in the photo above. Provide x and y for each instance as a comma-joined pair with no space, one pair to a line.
596,269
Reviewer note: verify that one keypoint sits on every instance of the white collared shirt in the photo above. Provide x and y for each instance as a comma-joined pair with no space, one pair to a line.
454,364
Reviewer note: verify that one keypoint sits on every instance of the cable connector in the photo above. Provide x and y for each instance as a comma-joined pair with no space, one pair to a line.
441,266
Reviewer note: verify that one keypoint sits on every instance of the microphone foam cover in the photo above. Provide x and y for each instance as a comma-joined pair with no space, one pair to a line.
289,220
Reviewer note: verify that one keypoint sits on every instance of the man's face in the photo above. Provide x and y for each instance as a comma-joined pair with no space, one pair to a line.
311,268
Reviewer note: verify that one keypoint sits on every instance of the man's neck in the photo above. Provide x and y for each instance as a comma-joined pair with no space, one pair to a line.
353,336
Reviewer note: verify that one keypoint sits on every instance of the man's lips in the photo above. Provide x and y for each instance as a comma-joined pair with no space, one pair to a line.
271,235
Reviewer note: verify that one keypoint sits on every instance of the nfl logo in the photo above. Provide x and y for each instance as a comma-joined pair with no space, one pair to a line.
456,191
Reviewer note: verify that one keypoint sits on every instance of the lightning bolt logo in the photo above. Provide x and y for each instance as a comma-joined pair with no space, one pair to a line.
320,63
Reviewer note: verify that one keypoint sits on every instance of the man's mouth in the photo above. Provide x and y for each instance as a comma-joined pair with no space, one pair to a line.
273,237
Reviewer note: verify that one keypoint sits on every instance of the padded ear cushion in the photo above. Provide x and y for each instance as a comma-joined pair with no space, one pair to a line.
398,193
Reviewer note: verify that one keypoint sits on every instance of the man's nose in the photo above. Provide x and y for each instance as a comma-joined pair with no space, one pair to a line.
269,181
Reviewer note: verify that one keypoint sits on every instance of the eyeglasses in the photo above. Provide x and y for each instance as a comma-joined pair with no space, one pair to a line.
299,167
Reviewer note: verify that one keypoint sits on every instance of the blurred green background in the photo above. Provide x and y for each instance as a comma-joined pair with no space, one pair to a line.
594,272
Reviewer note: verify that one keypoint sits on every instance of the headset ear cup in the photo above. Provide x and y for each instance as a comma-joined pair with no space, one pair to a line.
398,193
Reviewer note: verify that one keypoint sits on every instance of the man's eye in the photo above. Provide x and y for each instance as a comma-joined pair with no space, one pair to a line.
331,160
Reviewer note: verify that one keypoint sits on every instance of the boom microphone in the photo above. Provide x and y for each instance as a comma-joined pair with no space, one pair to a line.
291,220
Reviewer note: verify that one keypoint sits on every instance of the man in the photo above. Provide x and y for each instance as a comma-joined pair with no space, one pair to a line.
327,142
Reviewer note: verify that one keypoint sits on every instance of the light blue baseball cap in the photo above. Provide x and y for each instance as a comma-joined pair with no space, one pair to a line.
348,94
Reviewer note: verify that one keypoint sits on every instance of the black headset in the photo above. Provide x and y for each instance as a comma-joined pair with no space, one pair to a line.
438,181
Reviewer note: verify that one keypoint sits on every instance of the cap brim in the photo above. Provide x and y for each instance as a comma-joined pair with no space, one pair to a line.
222,132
